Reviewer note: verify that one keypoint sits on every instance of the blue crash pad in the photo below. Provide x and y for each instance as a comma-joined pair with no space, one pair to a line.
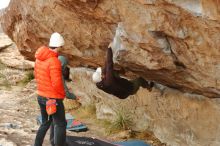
132,143
71,126
88,141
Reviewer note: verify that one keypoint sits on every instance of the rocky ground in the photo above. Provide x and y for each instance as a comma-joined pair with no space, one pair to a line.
17,122
19,108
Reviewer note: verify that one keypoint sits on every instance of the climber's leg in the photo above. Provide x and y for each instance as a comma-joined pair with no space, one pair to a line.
143,83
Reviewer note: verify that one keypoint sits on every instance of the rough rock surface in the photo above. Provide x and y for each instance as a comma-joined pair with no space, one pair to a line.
175,43
5,41
176,119
211,9
10,56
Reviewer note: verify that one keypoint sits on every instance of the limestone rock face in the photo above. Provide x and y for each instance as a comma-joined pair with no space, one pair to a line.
11,57
211,9
170,42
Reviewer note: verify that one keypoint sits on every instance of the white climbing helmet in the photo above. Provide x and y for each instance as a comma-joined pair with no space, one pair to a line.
97,75
56,40
99,70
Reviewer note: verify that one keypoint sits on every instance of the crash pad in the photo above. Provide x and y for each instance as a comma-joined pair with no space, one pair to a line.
89,141
86,141
132,143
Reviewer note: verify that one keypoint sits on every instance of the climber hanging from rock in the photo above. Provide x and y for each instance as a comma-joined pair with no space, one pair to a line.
108,81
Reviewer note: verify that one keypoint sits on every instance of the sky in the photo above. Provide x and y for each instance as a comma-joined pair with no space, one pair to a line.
4,3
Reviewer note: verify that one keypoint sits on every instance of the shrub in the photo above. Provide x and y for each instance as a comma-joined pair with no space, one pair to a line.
123,121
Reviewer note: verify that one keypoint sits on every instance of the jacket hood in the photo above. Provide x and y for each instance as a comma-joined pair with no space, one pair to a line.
44,53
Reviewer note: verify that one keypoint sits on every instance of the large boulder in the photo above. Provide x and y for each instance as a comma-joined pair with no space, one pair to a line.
175,43
160,40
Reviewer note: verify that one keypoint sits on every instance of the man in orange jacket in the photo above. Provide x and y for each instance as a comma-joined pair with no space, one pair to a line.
48,75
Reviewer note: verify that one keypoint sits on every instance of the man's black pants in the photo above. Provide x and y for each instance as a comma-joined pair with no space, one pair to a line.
57,122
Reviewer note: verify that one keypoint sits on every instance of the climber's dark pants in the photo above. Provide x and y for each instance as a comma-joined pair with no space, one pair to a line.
141,82
57,122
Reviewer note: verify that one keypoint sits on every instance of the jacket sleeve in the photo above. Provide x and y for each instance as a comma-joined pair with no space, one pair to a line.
56,76
69,95
109,66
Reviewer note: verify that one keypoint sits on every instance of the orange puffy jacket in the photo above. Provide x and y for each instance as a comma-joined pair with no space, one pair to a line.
48,74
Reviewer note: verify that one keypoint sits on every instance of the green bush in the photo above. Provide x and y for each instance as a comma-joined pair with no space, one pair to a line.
123,121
